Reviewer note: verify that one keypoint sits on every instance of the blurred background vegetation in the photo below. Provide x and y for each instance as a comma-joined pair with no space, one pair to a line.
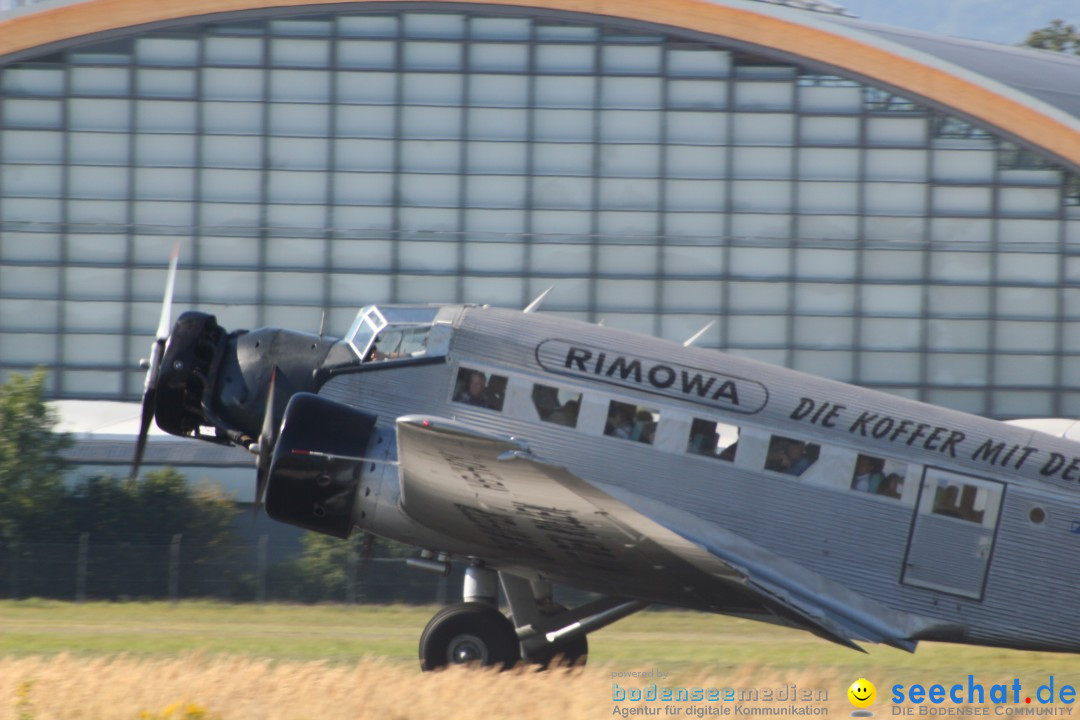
160,536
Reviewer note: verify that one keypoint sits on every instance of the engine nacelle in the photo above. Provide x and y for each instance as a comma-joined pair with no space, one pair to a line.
307,488
187,367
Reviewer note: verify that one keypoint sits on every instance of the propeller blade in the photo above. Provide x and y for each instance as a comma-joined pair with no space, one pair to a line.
153,365
144,429
165,323
266,446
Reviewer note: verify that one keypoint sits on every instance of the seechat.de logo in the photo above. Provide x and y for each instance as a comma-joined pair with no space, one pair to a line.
862,694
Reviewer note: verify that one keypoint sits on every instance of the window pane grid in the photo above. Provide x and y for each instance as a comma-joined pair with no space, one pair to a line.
489,138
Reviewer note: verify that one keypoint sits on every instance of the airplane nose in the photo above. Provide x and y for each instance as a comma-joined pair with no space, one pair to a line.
194,348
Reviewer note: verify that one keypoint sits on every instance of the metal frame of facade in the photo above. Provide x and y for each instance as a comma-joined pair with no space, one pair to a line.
1048,393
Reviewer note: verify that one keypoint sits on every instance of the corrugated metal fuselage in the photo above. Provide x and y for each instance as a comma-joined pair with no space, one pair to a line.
1004,572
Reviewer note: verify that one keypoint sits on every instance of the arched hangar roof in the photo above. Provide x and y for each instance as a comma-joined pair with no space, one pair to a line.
1024,95
1052,77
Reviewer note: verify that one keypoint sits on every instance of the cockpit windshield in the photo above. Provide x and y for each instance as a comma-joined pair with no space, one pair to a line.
391,332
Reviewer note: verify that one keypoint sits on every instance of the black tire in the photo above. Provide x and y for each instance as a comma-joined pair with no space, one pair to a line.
466,633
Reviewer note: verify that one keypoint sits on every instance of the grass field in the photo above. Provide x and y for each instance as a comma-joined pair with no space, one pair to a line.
211,660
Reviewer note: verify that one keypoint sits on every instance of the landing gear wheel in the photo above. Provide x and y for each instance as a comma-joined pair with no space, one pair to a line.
469,632
570,653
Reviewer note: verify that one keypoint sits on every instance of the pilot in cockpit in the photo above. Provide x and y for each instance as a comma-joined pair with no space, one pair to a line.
393,344
391,333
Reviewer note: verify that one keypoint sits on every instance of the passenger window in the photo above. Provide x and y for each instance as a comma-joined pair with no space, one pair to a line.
879,476
556,406
713,439
960,500
475,388
631,422
790,456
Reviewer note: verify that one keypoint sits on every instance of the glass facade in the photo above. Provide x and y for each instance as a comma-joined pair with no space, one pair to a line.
317,163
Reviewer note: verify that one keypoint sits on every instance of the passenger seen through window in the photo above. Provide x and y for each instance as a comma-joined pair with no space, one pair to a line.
557,406
713,439
879,476
475,388
631,422
790,456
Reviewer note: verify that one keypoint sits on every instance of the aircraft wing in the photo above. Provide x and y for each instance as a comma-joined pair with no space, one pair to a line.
490,490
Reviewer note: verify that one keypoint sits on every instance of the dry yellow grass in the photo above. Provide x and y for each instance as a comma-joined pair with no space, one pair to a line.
201,661
200,687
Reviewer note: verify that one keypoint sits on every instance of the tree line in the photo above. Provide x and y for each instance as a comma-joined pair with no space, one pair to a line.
1058,36
121,538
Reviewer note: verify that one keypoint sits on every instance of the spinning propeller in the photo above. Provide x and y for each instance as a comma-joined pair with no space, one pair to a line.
153,365
264,448
158,383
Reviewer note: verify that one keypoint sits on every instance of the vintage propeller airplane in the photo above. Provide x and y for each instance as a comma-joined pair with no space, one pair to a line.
541,451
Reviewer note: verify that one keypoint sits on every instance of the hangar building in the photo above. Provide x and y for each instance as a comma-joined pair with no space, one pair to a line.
863,202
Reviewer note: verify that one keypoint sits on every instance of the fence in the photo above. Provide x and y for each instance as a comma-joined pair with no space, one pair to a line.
174,569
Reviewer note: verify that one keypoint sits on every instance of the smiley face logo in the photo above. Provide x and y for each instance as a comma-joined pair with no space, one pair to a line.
862,693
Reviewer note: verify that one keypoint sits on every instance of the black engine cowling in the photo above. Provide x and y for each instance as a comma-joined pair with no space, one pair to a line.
210,377
187,368
306,488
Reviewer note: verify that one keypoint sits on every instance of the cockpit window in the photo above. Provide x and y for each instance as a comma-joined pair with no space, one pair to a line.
391,332
367,323
399,342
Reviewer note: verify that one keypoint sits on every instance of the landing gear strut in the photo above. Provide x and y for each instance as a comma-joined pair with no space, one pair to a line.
567,653
542,631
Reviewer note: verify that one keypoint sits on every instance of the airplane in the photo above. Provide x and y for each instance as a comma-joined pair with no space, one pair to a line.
540,451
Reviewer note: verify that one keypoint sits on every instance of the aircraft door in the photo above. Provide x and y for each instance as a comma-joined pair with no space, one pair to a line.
953,534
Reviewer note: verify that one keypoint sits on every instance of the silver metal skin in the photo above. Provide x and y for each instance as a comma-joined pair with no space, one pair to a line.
975,543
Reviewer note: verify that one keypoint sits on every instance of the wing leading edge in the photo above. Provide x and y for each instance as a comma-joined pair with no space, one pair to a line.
490,490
